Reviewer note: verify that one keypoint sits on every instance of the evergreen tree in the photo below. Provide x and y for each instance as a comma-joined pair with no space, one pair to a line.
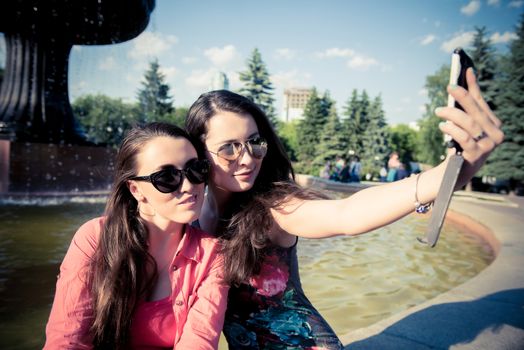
309,129
257,86
153,98
483,55
350,125
431,148
507,161
356,122
331,142
375,141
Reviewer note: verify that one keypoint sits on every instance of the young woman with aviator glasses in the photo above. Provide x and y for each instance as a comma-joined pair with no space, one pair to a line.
141,276
259,212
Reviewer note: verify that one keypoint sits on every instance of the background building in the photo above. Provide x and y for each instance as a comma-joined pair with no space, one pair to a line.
295,100
219,82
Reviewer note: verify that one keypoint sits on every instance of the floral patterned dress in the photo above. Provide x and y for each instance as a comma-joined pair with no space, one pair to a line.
272,312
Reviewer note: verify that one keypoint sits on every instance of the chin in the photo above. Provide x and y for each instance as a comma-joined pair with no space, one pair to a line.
186,217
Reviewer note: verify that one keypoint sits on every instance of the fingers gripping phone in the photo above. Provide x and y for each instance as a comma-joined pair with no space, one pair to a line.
460,62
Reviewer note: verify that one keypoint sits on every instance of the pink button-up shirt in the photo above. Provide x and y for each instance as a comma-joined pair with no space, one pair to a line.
199,296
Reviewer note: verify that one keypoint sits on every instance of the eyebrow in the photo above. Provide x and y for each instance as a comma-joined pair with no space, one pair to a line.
255,134
167,166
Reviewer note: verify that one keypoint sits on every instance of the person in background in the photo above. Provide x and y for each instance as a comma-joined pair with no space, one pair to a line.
325,172
356,169
393,165
140,276
259,212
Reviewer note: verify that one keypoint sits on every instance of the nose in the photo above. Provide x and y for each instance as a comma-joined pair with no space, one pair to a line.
186,185
245,157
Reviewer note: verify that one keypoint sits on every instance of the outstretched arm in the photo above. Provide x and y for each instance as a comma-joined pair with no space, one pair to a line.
476,129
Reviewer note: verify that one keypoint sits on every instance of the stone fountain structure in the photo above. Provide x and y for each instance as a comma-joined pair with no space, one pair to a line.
42,148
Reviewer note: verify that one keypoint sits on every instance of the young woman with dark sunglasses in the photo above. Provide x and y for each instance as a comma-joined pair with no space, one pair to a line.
258,210
140,276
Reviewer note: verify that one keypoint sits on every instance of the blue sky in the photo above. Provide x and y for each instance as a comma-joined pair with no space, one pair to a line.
384,47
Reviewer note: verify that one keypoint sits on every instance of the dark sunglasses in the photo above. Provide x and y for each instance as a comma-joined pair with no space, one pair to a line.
256,146
170,179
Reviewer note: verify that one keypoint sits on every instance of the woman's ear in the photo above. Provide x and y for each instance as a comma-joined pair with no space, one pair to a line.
135,191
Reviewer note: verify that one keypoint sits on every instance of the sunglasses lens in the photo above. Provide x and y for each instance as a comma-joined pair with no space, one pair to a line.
257,147
197,171
229,151
168,180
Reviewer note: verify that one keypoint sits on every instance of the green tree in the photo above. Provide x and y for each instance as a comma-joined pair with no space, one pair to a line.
287,132
309,129
153,98
257,85
403,140
431,148
350,124
355,122
331,141
483,55
507,161
104,119
375,138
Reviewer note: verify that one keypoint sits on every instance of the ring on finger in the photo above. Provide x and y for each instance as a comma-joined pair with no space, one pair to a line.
480,136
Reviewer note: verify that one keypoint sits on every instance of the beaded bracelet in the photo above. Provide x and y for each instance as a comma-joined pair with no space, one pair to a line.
419,207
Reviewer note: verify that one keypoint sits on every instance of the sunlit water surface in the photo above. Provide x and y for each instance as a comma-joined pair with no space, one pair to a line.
353,281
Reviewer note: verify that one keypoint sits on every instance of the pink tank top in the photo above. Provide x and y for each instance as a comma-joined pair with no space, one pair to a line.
153,325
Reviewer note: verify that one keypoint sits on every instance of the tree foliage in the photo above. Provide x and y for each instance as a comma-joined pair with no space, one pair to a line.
403,140
431,148
331,141
375,140
310,127
483,55
153,98
104,119
257,85
287,132
507,161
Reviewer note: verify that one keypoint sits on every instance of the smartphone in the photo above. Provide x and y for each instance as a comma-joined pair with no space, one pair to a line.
460,62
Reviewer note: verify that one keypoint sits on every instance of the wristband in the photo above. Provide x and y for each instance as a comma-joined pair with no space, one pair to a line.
419,207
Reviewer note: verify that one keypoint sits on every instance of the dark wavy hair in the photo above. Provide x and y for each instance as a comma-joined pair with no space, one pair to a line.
120,265
247,220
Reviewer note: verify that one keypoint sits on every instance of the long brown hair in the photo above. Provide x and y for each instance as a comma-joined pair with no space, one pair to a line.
247,218
120,265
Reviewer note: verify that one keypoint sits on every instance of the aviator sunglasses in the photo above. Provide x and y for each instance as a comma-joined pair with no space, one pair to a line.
257,147
170,179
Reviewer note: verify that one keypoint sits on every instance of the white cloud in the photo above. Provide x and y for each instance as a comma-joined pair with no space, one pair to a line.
292,78
460,40
108,63
495,3
149,44
285,53
200,78
335,52
221,56
360,62
406,100
422,108
423,92
428,39
497,38
168,72
516,4
189,60
471,8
